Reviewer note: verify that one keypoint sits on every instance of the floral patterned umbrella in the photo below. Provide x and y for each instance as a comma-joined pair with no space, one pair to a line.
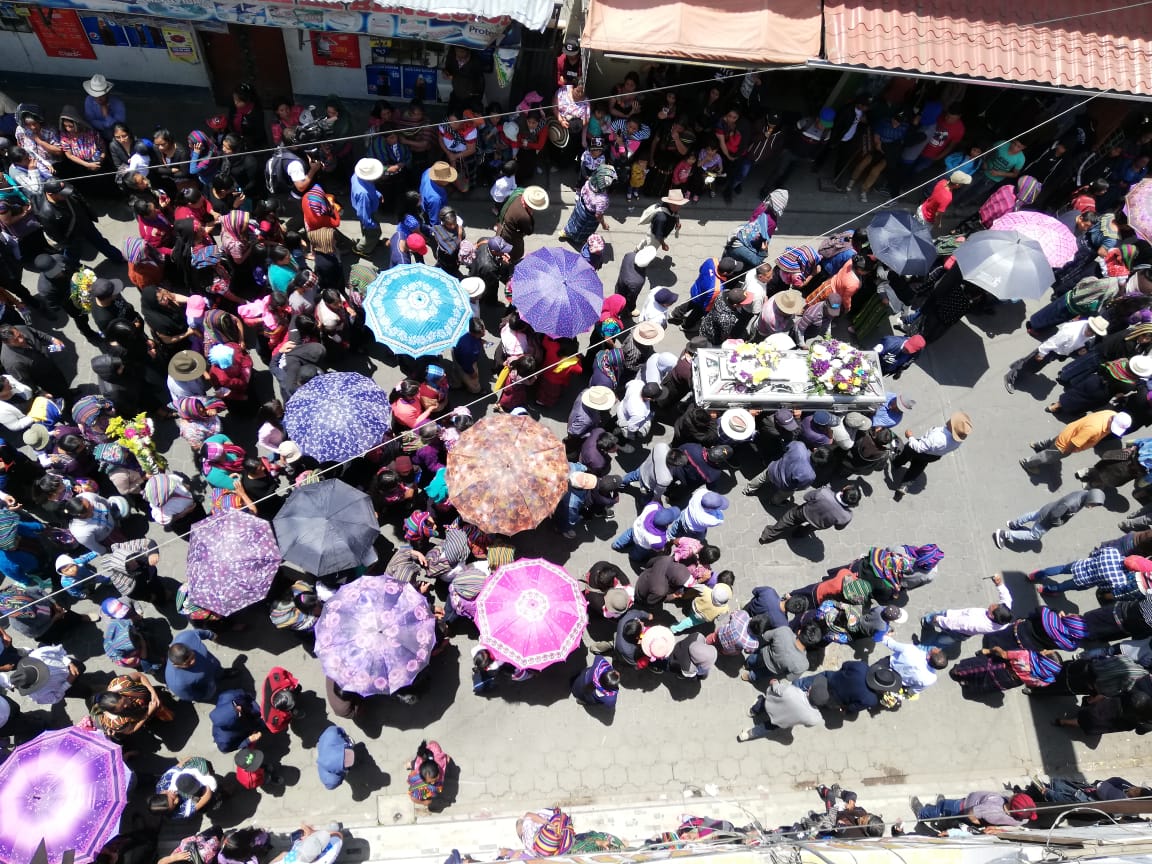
375,635
531,613
506,474
68,788
1058,243
415,309
232,560
1138,207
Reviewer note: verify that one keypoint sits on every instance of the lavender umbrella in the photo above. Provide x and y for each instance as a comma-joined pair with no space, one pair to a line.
232,560
557,292
375,635
338,416
68,788
1057,242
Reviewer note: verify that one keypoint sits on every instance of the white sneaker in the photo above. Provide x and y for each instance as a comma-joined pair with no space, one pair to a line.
863,197
848,188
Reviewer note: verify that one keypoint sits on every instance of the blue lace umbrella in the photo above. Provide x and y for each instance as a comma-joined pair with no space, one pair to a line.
415,309
337,416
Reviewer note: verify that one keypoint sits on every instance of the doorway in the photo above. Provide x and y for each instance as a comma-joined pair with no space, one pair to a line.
249,54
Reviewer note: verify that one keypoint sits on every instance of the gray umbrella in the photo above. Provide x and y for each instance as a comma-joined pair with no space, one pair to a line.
902,243
1005,265
326,527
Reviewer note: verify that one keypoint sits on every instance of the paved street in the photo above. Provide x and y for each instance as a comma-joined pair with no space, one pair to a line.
531,744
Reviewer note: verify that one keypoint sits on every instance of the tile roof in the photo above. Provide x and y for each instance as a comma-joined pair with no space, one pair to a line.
997,39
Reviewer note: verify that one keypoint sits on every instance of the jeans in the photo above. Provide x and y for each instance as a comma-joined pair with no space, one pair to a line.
1050,316
636,554
1017,531
1045,577
949,808
916,463
738,172
745,256
936,636
756,669
792,519
679,529
88,231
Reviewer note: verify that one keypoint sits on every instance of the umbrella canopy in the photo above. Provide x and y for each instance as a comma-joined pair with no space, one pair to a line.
415,309
67,787
375,635
557,292
326,527
232,560
1005,265
1138,207
531,614
1058,243
338,416
901,243
507,473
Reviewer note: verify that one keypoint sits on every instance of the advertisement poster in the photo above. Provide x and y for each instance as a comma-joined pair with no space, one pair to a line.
61,33
14,18
104,30
341,50
143,32
181,43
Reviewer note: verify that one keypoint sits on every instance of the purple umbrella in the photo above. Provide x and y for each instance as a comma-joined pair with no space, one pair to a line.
68,788
232,560
1055,239
557,292
375,635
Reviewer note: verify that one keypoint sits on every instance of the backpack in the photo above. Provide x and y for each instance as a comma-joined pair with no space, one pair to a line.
832,246
276,172
650,213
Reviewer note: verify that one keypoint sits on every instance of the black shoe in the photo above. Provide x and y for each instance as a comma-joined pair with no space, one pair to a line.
916,804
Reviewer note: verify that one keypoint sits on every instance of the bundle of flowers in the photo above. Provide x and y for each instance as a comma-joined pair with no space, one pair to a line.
80,292
135,435
754,364
837,368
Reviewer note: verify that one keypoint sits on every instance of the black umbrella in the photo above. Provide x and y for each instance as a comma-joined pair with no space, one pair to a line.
901,243
326,527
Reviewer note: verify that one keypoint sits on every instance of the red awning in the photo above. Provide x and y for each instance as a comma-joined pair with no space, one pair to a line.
993,40
735,31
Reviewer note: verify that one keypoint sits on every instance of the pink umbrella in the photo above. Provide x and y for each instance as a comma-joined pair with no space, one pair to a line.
531,614
1138,207
1053,236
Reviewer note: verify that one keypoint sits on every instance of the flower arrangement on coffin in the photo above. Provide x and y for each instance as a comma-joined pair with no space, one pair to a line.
837,368
752,365
135,435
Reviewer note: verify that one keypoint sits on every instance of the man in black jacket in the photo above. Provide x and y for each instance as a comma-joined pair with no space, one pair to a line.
68,222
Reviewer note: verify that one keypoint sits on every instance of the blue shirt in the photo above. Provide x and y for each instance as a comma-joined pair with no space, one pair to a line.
888,415
197,683
230,730
849,685
100,121
365,201
330,756
432,197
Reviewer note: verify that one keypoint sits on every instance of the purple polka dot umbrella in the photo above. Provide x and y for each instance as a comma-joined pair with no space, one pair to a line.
68,788
375,635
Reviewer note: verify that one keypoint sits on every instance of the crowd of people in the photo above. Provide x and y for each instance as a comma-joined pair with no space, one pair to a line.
240,273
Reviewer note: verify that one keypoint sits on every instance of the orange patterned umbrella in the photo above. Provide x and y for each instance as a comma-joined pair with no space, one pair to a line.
506,474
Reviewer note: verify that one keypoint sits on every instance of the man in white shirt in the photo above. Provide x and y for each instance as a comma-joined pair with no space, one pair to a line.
634,412
915,663
13,417
953,625
929,447
1070,338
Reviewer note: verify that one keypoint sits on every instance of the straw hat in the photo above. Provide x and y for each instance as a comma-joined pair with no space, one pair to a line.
657,642
1098,324
598,398
473,286
644,257
676,198
369,170
535,198
647,333
960,424
737,424
582,480
442,172
1141,366
790,302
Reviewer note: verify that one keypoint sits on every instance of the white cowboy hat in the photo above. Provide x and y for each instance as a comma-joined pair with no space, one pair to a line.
473,286
676,197
535,198
369,170
97,85
598,398
737,424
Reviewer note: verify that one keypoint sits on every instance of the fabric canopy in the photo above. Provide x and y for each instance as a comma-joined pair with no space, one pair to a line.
751,31
533,14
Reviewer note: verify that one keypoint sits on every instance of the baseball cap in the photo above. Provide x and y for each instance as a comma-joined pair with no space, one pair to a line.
827,117
416,243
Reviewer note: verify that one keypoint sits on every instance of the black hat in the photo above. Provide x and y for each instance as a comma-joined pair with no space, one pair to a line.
29,676
719,455
571,47
249,759
772,120
188,786
57,187
104,289
727,265
50,266
881,678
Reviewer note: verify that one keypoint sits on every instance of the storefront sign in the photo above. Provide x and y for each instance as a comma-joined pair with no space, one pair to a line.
181,43
341,50
61,33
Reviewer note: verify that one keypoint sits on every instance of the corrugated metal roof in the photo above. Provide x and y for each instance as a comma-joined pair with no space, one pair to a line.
998,39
